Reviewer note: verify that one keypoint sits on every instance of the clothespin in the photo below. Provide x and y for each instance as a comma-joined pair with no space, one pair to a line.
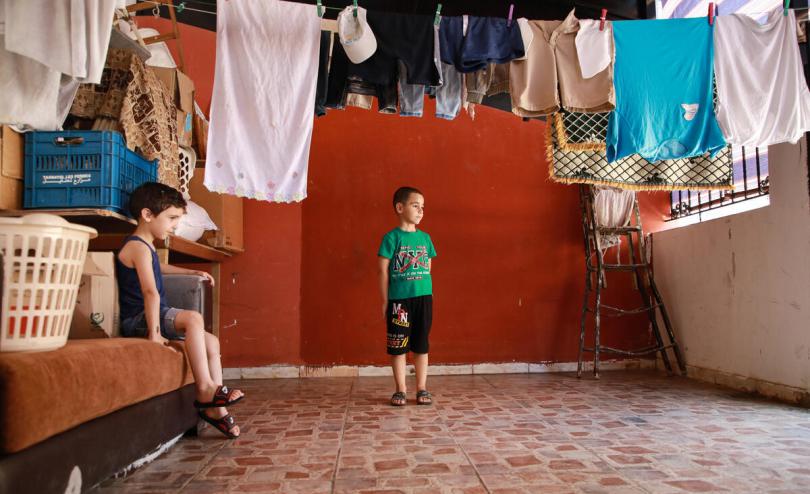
511,11
602,20
437,18
354,13
787,7
181,7
711,13
320,9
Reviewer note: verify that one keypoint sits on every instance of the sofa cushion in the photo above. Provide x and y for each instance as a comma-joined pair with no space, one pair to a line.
45,393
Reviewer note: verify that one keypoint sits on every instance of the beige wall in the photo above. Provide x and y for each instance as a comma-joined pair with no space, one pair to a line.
738,288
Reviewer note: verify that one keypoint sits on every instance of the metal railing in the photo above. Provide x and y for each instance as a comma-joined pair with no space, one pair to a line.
750,171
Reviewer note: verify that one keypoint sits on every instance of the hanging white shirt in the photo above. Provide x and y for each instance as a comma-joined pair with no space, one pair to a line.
762,95
263,99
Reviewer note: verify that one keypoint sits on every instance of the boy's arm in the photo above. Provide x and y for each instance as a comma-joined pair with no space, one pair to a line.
383,263
169,269
142,262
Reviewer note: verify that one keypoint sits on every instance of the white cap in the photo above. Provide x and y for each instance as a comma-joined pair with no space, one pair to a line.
355,35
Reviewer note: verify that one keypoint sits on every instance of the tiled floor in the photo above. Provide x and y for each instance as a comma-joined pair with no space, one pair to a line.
630,432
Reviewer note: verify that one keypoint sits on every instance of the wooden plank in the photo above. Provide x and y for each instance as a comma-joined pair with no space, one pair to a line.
191,251
194,249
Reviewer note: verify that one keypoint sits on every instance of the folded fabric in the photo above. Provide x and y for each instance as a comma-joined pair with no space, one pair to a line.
69,36
761,90
405,37
487,40
263,98
663,81
30,92
552,62
134,101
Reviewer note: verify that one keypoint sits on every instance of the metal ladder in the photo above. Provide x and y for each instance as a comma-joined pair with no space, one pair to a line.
596,267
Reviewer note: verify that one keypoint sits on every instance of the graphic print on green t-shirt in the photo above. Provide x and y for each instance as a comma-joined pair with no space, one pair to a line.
408,271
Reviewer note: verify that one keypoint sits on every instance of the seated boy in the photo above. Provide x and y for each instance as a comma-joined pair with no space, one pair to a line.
144,312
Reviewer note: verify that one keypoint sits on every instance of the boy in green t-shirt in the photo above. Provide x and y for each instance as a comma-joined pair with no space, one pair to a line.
405,257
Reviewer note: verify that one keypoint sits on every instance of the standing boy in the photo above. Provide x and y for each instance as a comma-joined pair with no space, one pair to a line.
405,259
145,313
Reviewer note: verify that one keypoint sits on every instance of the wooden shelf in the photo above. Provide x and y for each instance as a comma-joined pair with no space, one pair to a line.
114,227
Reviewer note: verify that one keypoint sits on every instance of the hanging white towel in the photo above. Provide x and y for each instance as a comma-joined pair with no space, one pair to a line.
264,92
612,208
762,95
69,36
594,47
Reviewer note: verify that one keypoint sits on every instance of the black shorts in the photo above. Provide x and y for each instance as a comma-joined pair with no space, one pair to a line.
408,322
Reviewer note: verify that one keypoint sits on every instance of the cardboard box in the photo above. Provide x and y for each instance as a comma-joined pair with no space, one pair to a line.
12,160
97,314
224,210
181,87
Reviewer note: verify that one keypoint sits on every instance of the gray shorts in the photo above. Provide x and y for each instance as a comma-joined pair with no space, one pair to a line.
135,326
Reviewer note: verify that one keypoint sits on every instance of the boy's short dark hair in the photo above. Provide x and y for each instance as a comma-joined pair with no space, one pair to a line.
155,197
402,194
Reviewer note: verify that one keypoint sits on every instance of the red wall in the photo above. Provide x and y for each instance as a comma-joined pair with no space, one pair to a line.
508,279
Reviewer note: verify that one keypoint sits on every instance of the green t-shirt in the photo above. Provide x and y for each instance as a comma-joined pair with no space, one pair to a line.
408,273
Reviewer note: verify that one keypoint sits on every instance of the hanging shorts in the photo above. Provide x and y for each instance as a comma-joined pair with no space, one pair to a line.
488,40
408,322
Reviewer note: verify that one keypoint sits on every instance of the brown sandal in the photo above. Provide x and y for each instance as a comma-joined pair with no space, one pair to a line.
222,398
423,397
224,424
399,399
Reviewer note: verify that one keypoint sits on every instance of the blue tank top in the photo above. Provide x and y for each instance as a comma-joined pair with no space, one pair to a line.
130,296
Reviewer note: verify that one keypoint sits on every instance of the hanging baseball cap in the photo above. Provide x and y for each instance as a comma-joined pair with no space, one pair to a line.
355,35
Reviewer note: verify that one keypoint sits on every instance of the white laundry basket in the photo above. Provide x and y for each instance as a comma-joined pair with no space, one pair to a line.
43,258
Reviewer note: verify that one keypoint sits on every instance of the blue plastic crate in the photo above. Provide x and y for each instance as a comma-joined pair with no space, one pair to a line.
82,169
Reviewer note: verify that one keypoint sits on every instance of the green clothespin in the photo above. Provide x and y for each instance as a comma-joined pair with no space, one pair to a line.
181,7
354,13
438,19
320,9
787,6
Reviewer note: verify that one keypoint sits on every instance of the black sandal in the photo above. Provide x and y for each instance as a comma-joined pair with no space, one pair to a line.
222,398
399,399
423,397
223,424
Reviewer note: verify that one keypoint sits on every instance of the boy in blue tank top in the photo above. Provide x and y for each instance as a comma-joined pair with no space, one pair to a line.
145,313
405,260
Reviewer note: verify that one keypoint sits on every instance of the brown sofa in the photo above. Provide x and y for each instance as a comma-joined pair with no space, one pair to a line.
96,405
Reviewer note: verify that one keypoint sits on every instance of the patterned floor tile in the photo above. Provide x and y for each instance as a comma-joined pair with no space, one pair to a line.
629,432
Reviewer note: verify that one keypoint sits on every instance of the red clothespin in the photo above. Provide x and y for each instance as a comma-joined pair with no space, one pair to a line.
602,20
511,11
711,13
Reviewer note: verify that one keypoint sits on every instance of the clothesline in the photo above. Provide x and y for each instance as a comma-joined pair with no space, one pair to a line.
182,7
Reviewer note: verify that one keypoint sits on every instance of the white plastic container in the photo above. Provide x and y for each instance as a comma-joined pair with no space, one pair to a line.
43,258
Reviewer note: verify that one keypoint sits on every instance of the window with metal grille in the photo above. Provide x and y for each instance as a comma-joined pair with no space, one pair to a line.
750,172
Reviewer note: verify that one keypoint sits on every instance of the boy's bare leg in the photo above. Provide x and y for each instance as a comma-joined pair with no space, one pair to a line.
214,362
398,365
420,363
192,325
